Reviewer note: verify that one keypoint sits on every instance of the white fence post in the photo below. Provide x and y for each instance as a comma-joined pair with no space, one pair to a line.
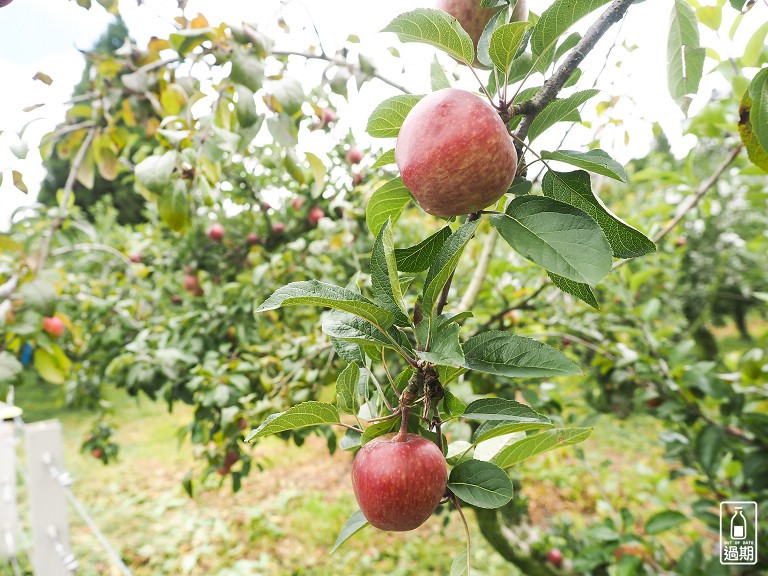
51,555
9,512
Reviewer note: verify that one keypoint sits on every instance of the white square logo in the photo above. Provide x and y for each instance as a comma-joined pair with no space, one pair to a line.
738,533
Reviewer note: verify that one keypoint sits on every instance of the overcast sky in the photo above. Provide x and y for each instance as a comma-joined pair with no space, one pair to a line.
44,35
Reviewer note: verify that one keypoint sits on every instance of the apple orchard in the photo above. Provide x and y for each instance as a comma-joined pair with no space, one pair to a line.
458,311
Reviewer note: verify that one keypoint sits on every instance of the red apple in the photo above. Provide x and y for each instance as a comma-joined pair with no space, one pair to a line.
470,15
5,3
192,285
136,257
454,153
216,232
555,557
399,483
357,178
354,155
297,202
278,227
97,453
175,299
315,214
327,115
254,239
230,458
680,242
54,326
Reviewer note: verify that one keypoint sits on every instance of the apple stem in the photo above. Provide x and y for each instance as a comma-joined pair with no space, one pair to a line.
402,435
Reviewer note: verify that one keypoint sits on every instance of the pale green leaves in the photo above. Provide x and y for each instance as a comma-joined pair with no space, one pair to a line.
247,69
685,57
346,388
434,27
321,294
387,118
538,443
557,111
664,520
154,172
596,161
556,236
505,42
507,354
173,206
300,416
386,203
384,279
420,257
575,189
481,484
354,524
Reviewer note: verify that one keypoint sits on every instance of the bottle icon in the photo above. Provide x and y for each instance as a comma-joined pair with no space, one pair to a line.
738,525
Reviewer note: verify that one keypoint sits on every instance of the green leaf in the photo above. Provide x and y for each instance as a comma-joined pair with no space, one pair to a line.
154,172
245,107
38,294
384,280
319,171
557,111
541,442
444,347
503,410
420,257
300,416
500,18
595,161
317,293
354,524
53,366
348,351
350,440
288,94
758,114
481,484
754,47
445,263
387,118
385,159
685,58
566,45
452,404
18,181
555,20
557,236
507,354
387,202
494,428
459,566
10,367
709,448
757,154
247,69
434,27
580,290
505,41
575,188
354,329
173,206
346,388
437,76
663,521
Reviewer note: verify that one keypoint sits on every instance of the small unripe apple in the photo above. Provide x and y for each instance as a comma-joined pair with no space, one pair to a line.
555,557
253,239
175,299
680,242
399,483
278,227
216,232
97,453
136,257
54,326
454,153
357,178
192,285
265,207
354,155
297,202
315,214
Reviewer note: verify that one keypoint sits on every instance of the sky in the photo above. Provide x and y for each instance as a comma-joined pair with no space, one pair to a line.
45,35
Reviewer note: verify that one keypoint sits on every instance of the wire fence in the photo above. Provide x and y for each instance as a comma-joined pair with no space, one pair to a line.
48,487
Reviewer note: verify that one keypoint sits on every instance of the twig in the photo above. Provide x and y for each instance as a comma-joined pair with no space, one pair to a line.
340,62
348,427
553,85
466,530
519,304
67,192
478,276
86,246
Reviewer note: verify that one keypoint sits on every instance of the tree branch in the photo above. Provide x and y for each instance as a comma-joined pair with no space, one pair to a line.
553,85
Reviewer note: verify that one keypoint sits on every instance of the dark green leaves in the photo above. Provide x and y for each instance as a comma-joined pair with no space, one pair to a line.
434,27
663,521
384,279
507,354
758,114
420,257
321,294
387,118
582,291
481,484
685,57
595,161
557,111
575,188
556,236
505,41
387,202
346,388
154,172
305,414
541,442
502,410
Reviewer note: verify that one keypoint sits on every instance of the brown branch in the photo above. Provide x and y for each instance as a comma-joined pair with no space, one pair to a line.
551,88
340,62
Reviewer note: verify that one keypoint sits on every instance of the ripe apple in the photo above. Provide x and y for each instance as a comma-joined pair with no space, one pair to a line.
354,155
97,453
278,228
314,215
399,483
555,557
216,232
470,15
5,3
54,326
297,202
192,285
136,257
454,153
254,239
